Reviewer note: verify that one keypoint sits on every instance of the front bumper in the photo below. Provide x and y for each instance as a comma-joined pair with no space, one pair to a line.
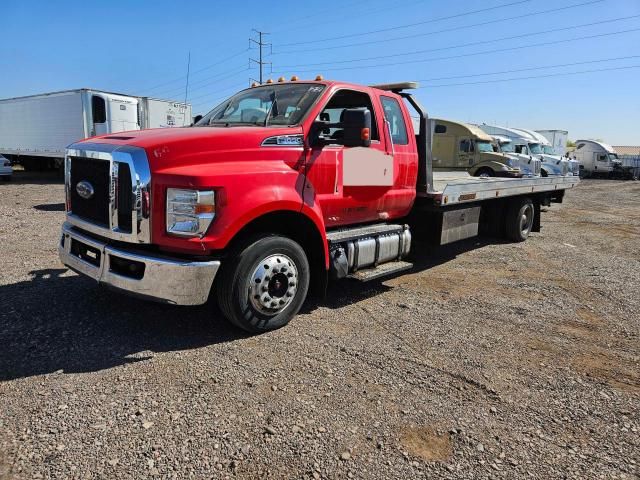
178,282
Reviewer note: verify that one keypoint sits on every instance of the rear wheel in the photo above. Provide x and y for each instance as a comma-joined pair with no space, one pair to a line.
263,286
519,219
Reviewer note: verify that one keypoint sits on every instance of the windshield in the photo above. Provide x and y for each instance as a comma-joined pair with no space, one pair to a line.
484,146
285,104
613,157
548,150
535,148
507,147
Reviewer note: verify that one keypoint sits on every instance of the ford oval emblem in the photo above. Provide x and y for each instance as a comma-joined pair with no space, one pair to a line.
85,189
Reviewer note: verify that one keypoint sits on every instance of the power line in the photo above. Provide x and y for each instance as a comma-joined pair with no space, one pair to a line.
439,19
209,80
218,99
531,77
368,12
529,68
471,44
444,30
209,94
195,72
497,50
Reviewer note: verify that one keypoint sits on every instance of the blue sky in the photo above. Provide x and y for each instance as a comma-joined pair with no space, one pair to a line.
141,48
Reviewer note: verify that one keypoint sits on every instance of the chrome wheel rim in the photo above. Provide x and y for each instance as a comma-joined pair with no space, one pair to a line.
526,219
273,284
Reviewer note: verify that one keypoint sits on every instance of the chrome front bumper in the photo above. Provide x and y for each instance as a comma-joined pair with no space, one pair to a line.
172,281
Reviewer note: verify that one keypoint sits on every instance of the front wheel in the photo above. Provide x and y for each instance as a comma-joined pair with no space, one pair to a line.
263,286
485,173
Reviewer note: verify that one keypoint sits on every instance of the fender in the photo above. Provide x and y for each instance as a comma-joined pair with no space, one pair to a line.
245,191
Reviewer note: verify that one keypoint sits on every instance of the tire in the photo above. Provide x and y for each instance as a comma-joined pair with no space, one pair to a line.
519,219
484,172
254,299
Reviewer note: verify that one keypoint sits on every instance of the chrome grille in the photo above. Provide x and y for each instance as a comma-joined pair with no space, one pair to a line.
120,207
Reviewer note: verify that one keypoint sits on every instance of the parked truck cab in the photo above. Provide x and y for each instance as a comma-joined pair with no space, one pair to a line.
525,144
460,146
596,158
552,163
529,166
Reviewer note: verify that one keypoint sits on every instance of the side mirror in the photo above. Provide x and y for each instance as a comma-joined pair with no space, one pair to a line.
357,127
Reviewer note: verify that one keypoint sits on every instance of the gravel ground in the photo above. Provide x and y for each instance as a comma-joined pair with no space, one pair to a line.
488,360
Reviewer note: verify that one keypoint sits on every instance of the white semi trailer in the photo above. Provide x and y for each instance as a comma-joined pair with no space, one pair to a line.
35,130
557,139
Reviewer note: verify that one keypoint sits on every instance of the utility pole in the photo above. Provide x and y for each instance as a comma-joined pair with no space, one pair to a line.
259,42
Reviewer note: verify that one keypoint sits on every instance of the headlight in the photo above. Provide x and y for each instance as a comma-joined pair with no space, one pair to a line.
512,162
190,212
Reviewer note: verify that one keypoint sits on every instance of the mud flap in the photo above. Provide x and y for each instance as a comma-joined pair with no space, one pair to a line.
537,220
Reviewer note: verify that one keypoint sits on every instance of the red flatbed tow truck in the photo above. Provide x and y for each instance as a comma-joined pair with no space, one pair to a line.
275,191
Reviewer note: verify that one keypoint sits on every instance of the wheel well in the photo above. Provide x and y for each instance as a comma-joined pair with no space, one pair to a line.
297,227
484,169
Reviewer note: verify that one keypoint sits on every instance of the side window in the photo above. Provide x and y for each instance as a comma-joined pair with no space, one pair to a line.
580,146
340,101
439,128
465,146
602,158
393,114
98,109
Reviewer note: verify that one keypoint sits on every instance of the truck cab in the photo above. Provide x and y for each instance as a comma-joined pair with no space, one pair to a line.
460,146
526,144
529,166
596,158
552,163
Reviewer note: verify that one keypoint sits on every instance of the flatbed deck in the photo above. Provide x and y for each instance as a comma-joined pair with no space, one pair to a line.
452,188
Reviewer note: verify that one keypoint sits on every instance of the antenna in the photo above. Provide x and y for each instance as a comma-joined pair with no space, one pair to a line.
186,90
260,44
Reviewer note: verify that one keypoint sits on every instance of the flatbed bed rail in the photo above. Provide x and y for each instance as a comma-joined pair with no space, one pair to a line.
454,188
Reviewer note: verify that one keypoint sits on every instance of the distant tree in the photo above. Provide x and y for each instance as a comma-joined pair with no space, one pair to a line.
571,143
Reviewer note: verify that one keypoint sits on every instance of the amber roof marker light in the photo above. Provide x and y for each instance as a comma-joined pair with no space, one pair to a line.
294,78
319,78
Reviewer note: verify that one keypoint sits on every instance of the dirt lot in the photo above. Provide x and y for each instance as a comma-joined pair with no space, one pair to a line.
488,360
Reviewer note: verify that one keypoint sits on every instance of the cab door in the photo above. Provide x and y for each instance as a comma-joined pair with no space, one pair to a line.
349,183
466,152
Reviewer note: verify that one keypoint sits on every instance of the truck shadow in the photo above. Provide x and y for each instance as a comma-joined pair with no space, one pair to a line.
50,207
60,321
348,292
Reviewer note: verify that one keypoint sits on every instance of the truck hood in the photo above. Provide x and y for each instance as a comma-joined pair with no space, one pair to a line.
174,147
